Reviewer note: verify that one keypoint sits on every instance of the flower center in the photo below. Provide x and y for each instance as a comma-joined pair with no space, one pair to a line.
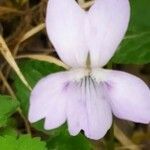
88,61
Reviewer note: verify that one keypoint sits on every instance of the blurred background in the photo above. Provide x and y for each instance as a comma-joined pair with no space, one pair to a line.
25,58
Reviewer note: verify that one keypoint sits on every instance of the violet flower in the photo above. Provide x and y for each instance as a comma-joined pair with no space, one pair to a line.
87,95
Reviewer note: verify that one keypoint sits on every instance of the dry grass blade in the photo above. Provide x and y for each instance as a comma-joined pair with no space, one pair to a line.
46,58
7,10
129,147
29,34
33,31
8,56
124,140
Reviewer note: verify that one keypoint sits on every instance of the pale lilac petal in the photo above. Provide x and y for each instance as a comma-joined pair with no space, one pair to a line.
87,109
64,24
56,113
75,109
75,32
106,25
98,110
47,100
128,95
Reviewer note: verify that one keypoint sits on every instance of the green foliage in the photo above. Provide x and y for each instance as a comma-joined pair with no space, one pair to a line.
24,142
135,48
8,131
65,142
7,107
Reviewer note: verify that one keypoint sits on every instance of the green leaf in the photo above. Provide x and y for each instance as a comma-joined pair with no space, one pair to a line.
64,141
140,15
135,48
7,107
8,131
24,142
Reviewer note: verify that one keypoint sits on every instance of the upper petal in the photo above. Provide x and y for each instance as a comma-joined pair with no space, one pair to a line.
128,95
106,25
64,24
75,33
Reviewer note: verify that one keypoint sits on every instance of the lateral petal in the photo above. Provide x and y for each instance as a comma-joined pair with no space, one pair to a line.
46,100
128,95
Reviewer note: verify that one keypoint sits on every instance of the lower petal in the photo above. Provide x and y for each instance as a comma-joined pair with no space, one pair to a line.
128,95
98,112
88,110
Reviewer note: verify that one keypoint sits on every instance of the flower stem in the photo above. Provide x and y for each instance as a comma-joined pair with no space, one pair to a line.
27,125
110,141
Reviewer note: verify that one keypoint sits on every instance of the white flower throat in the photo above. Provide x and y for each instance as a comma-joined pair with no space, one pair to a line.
88,74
